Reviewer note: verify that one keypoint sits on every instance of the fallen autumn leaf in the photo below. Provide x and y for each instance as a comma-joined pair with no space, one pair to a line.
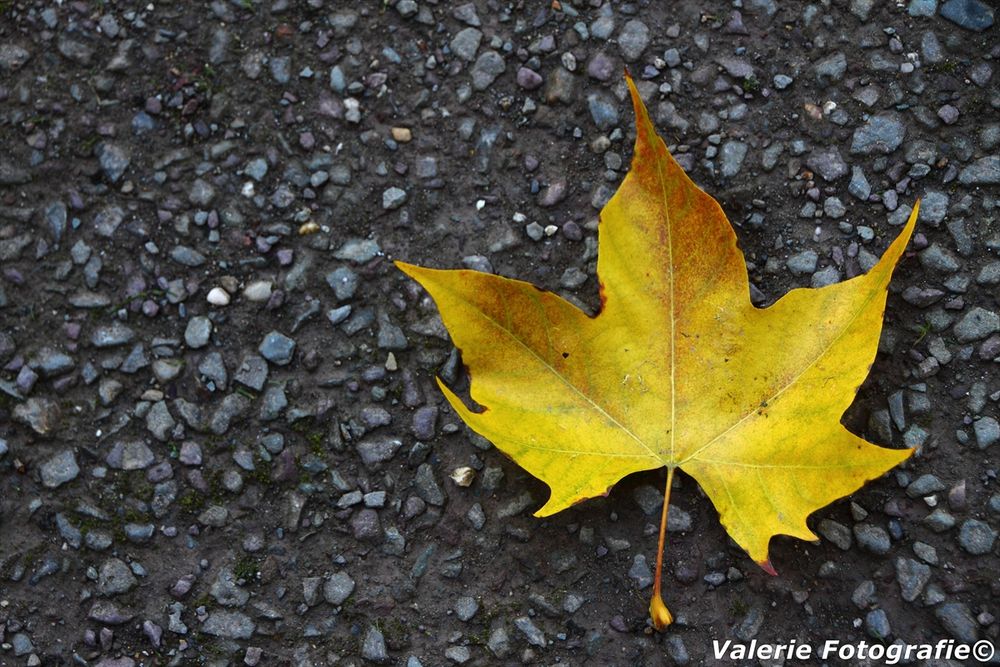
678,369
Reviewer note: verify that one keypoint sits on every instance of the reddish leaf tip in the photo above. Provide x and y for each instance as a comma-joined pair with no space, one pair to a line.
767,567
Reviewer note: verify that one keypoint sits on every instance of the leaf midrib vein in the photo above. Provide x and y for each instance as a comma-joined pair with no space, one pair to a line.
661,173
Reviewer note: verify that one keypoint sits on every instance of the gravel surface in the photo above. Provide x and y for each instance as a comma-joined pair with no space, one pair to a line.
220,438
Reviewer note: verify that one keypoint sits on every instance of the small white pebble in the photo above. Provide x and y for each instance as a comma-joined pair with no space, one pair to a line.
258,290
480,204
218,297
550,230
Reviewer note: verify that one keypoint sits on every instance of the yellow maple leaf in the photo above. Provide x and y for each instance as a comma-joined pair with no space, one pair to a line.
678,369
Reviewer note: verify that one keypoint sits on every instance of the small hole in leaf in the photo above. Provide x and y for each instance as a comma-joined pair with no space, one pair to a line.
565,355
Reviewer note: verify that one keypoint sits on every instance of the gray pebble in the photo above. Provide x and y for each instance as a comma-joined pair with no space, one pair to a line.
41,414
390,335
572,278
229,625
215,516
256,169
13,57
159,421
939,258
190,453
112,336
213,367
976,537
603,110
59,469
859,186
424,422
802,263
872,539
377,450
198,332
488,66
201,193
633,40
344,283
925,552
476,516
114,160
987,431
939,520
358,251
828,163
957,621
277,348
863,596
976,324
427,487
365,525
373,647
877,624
970,14
186,256
749,625
984,171
252,372
602,27
649,499
499,642
105,611
830,69
467,14
457,654
640,572
881,134
338,588
922,7
393,198
115,578
139,533
22,645
534,636
572,603
465,43
924,485
731,158
835,532
465,608
338,315
912,576
273,402
933,207
281,68
826,276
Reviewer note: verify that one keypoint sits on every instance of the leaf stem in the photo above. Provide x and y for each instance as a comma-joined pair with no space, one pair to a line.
658,611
